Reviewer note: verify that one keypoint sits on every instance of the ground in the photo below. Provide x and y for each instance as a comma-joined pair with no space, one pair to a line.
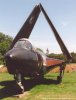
45,89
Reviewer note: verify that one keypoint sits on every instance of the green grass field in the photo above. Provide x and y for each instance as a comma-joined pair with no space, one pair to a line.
46,89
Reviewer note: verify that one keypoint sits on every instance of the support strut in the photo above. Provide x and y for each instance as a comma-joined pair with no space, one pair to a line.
59,78
18,79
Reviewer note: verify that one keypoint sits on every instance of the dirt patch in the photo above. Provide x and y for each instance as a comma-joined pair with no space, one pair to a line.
68,68
3,69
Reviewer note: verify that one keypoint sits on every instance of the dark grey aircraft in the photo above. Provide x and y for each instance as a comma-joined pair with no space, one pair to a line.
23,60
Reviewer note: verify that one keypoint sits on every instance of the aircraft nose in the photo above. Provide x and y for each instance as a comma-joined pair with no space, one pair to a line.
9,56
19,58
19,55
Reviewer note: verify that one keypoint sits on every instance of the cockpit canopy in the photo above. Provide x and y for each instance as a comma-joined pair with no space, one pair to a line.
23,43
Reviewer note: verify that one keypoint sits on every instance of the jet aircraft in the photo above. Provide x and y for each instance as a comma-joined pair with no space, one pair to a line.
24,60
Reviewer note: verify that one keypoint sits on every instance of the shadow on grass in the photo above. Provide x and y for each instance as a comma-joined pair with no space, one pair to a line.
10,88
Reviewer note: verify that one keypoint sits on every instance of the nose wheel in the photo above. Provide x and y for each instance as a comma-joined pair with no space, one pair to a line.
18,79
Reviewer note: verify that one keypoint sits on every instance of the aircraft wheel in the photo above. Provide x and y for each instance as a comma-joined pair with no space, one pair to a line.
21,89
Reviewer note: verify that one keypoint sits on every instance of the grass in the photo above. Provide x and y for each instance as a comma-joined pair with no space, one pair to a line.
43,90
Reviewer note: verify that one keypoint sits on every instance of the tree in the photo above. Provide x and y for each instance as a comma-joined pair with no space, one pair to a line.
62,57
1,59
57,56
5,42
74,57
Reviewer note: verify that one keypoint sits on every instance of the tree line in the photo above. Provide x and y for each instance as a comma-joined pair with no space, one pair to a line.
5,42
62,57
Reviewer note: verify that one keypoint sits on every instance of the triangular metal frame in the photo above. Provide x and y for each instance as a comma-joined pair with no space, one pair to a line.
28,26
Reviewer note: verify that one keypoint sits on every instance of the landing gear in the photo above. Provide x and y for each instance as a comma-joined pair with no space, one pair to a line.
59,78
18,79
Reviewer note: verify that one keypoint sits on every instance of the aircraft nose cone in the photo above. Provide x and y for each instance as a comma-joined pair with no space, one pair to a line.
20,58
9,57
20,54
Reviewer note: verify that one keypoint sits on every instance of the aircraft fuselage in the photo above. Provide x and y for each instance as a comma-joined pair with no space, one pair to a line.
27,61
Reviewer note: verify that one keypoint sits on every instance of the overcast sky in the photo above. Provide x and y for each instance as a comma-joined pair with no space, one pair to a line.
13,14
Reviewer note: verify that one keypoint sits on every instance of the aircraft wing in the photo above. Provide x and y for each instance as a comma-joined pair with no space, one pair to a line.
51,63
28,25
58,38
